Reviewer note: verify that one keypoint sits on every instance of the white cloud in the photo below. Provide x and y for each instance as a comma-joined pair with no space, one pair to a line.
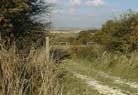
95,3
75,3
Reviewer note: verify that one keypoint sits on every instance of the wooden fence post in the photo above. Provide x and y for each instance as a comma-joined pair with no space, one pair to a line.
47,49
0,46
0,42
14,50
0,55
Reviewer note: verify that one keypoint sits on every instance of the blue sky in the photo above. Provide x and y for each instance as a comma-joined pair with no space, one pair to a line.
88,13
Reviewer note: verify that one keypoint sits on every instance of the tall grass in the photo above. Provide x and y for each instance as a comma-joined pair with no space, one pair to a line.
28,75
123,65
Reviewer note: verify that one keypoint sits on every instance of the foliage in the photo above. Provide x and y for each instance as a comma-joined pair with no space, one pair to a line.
88,52
84,37
18,22
119,35
19,12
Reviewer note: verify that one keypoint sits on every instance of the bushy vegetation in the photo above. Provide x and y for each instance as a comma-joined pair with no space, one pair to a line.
83,37
115,36
16,14
19,22
121,34
88,52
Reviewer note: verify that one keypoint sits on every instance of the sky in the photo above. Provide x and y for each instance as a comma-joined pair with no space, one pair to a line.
88,13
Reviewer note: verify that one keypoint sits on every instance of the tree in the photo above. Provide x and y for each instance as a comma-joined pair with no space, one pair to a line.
18,17
86,36
120,35
19,12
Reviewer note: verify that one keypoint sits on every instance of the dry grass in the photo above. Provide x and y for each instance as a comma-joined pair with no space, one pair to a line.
122,65
32,75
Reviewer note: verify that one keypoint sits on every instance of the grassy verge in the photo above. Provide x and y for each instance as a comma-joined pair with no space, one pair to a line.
124,66
121,65
85,67
73,85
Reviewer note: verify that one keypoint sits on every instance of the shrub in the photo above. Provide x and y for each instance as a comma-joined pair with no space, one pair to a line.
88,51
120,35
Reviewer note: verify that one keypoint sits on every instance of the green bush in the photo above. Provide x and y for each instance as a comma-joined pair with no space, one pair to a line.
119,35
88,51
